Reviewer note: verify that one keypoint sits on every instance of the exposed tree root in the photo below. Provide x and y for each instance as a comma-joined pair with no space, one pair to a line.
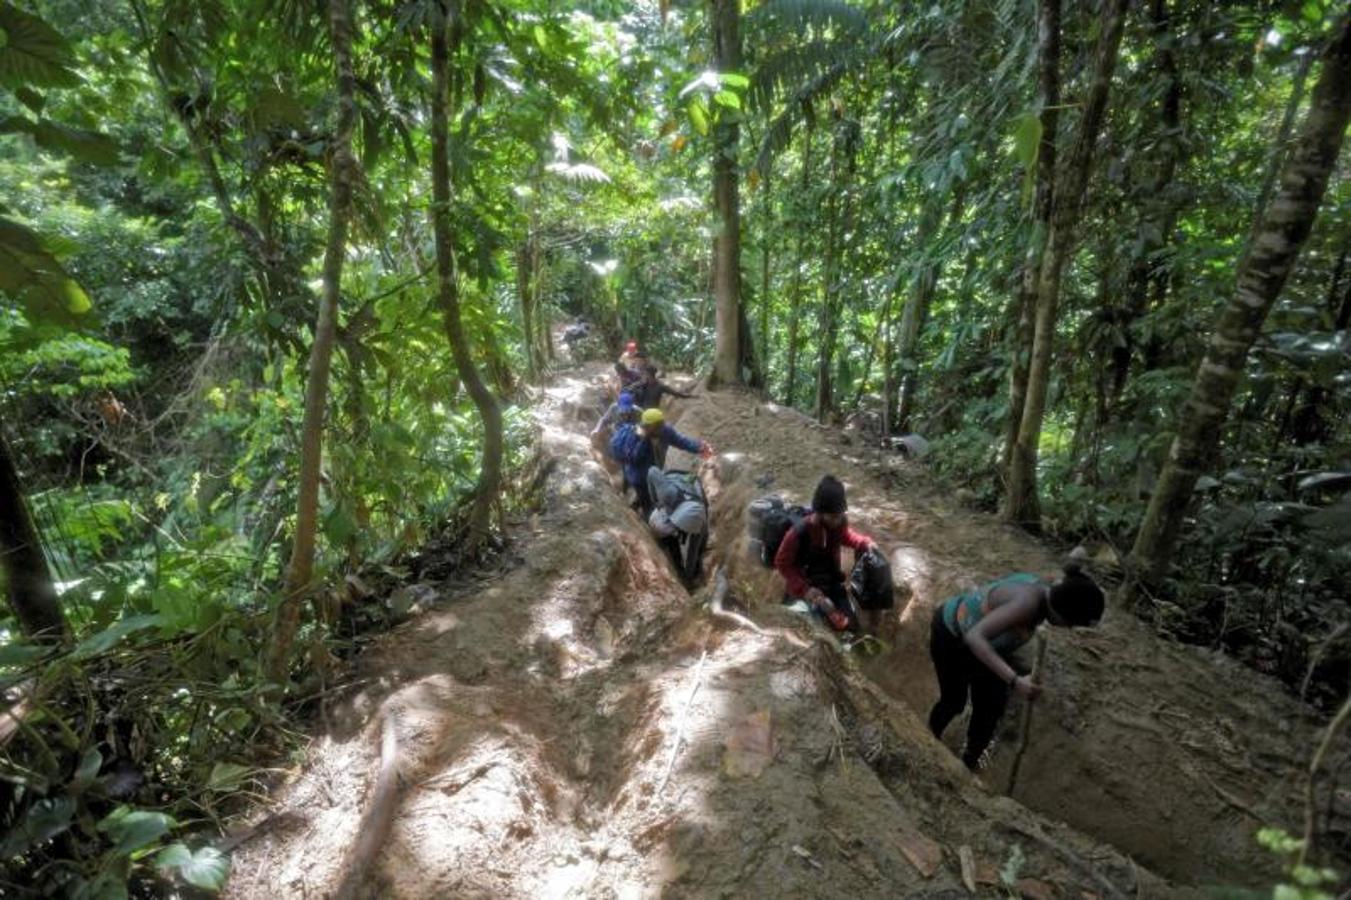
378,815
1076,861
717,607
1310,814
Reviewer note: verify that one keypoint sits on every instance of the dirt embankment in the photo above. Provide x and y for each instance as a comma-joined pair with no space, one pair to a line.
1173,754
578,726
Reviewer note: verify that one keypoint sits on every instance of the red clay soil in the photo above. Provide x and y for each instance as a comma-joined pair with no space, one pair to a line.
580,726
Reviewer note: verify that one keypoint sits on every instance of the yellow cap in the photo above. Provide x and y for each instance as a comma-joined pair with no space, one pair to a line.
653,417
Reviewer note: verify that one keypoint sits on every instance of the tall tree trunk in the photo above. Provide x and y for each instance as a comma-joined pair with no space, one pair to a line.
448,289
342,174
1262,274
795,292
525,270
766,238
888,382
1148,277
1048,64
1022,504
729,343
31,591
917,310
830,279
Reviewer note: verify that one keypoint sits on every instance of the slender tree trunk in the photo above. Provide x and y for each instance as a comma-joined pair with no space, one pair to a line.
448,294
32,593
768,225
1148,276
888,382
728,349
879,338
917,310
544,335
830,287
1022,504
342,174
795,308
525,267
1048,61
1262,274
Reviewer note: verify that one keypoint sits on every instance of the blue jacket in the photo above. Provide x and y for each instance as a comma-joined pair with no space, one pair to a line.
653,452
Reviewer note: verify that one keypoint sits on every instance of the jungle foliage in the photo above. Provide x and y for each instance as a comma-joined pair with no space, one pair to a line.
267,267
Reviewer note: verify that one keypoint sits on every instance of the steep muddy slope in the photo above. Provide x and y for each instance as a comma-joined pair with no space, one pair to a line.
580,726
1173,754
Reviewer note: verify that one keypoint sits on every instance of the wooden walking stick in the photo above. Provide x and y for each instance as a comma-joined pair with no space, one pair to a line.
1027,714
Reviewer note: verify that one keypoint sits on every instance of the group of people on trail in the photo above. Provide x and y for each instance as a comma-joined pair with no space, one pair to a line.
634,436
974,637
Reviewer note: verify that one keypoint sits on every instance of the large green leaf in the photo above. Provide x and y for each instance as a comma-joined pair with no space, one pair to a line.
32,52
104,640
30,273
86,146
132,829
207,868
45,820
15,654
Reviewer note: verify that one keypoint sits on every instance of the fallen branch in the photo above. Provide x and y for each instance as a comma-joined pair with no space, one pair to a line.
377,817
1074,859
1235,801
1318,655
680,724
717,607
1314,765
716,602
1026,730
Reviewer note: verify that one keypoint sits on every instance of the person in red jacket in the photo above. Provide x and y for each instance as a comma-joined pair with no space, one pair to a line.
809,555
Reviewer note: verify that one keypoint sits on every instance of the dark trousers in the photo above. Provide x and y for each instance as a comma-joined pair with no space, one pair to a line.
959,674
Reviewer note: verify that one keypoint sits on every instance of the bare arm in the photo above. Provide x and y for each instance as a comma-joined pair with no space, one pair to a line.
1020,611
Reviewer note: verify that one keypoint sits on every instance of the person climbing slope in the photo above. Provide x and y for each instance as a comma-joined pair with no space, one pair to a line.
679,518
630,366
808,557
631,355
622,412
647,393
644,446
973,636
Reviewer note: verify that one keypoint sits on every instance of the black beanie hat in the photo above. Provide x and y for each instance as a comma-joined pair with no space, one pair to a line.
829,496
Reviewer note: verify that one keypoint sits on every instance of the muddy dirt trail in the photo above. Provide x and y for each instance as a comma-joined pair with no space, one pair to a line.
580,726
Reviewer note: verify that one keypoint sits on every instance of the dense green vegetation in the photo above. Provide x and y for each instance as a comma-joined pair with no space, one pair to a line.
267,267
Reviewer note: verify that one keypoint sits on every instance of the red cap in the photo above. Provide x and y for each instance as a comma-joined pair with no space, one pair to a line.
631,346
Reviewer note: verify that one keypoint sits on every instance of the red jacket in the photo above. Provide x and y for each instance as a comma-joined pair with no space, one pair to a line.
818,563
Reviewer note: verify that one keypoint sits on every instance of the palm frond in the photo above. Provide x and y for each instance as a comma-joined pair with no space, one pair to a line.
581,173
780,131
790,68
800,14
